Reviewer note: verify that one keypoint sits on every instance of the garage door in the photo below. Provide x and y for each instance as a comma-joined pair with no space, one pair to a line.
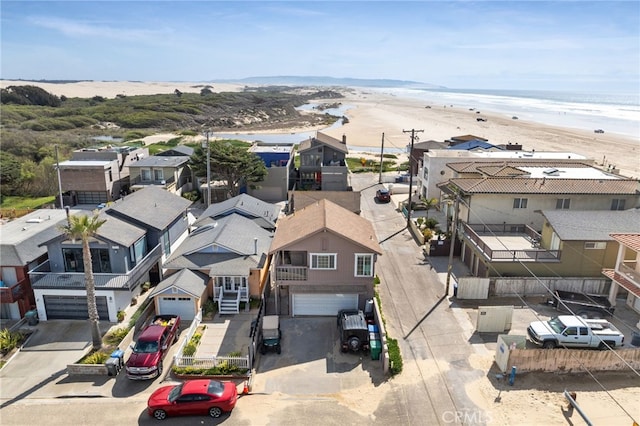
182,306
73,307
323,304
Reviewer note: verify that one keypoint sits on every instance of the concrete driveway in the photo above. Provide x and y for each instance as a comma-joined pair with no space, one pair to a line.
311,361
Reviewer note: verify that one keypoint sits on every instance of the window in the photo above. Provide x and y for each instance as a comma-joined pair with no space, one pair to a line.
99,260
519,203
595,245
563,203
617,204
323,261
145,175
231,283
158,174
364,265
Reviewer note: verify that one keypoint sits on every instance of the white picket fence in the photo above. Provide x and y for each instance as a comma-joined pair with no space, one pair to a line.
241,362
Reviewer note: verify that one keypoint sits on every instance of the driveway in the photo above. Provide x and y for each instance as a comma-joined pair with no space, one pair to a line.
311,361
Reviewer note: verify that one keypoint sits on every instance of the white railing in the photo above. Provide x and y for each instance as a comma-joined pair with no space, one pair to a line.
241,362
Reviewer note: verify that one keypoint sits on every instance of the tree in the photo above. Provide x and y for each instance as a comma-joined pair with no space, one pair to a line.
84,227
430,203
232,164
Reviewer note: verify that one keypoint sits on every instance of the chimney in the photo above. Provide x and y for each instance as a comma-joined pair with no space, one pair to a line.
344,139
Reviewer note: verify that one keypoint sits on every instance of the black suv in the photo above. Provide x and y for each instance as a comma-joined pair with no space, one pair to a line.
354,332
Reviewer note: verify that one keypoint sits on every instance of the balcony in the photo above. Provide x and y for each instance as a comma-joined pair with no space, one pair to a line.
43,277
291,273
15,292
168,183
508,243
627,269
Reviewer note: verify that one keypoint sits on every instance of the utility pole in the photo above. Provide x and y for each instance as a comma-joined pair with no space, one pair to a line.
208,170
381,159
454,229
413,138
59,180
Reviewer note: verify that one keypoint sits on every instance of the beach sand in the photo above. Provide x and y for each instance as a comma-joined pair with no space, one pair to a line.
372,114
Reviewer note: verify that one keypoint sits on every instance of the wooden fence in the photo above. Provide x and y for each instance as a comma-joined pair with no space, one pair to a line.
573,360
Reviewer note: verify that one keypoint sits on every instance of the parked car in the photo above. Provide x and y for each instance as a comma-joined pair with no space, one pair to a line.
151,346
193,397
270,334
383,195
598,131
574,332
354,330
481,119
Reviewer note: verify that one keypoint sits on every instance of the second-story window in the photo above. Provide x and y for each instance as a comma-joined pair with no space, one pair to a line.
323,261
519,203
563,203
364,265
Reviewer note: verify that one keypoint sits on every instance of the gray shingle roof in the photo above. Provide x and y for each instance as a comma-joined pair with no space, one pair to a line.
594,225
160,161
191,282
177,151
322,139
152,206
244,205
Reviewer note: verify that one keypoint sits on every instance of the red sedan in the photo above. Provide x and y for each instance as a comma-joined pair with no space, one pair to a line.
193,397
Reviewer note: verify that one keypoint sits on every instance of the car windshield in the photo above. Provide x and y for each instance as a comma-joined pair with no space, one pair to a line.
175,393
215,388
556,325
146,347
384,191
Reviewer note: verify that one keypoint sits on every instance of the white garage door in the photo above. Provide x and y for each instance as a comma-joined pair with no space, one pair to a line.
323,304
182,306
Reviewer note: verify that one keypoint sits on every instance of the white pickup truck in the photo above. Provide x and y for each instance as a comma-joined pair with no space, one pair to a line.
575,332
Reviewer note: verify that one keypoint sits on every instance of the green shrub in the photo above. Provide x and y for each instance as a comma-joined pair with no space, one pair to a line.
431,223
376,280
209,307
115,337
395,358
196,338
189,349
98,357
9,340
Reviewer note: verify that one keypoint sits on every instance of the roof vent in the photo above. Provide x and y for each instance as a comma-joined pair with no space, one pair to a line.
551,171
35,220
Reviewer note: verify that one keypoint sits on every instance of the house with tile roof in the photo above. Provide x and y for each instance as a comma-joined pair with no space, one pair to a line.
21,250
625,275
323,164
323,260
232,252
139,232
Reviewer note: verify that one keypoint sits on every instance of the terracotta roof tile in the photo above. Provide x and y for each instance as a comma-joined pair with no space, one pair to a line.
630,240
509,185
620,279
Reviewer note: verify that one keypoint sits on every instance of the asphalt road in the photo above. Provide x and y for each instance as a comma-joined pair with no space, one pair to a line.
434,340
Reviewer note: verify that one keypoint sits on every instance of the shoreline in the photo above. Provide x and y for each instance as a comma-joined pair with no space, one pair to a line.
373,114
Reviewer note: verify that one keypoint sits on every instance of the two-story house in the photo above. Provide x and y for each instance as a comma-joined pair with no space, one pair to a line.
323,260
263,213
21,250
281,174
625,276
140,230
172,173
98,175
322,164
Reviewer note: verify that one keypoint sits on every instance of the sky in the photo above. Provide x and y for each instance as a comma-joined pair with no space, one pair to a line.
591,46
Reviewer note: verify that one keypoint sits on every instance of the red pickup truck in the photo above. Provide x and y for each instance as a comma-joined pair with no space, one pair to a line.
151,346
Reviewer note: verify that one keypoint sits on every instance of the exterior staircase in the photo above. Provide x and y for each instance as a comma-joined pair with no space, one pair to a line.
228,305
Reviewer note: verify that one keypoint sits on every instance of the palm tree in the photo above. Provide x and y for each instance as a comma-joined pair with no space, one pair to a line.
84,227
430,203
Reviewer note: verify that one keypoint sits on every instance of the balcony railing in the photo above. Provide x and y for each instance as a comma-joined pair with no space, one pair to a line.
43,277
15,292
529,255
162,182
628,272
291,273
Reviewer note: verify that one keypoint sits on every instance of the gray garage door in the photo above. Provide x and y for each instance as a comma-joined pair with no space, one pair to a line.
323,304
73,307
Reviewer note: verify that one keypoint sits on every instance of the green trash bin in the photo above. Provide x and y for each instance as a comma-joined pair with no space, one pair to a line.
376,348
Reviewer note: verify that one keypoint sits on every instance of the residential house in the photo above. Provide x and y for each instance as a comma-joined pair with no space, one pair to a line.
261,212
322,164
281,174
323,259
172,173
97,175
625,276
349,200
435,164
418,151
232,251
177,151
464,138
21,251
514,193
572,244
140,230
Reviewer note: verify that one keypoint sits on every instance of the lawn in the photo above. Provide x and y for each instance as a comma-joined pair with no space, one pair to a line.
22,203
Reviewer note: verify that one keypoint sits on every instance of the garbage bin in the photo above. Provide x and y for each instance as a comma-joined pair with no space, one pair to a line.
635,339
32,317
368,309
373,328
119,355
376,348
374,336
113,366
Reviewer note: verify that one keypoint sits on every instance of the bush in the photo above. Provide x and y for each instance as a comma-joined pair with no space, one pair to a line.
9,340
395,359
115,337
98,357
189,349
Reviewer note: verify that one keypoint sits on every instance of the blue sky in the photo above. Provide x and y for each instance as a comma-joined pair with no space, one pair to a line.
581,45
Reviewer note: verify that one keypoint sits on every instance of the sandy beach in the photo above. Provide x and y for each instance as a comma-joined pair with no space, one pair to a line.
371,114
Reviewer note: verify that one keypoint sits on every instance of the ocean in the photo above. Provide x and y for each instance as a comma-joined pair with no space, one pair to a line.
613,113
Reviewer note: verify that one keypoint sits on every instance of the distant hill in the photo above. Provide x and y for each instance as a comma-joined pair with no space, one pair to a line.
333,81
